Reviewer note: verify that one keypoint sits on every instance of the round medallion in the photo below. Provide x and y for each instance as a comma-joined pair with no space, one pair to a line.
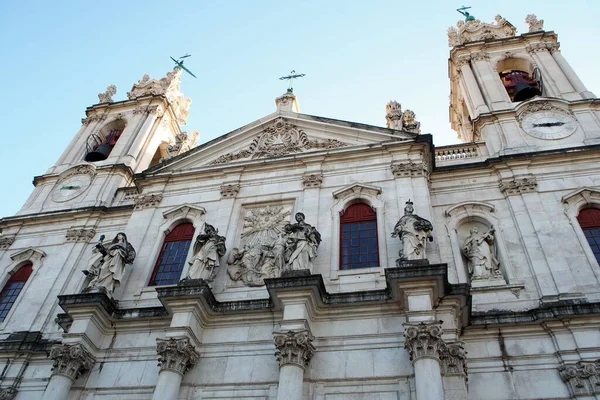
548,125
70,188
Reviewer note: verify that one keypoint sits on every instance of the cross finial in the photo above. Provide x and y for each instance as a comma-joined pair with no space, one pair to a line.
293,75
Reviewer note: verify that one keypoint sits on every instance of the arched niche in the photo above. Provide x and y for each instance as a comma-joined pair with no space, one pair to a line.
519,78
100,144
463,217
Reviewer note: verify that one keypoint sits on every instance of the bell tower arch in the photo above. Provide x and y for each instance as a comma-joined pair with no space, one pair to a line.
116,140
499,77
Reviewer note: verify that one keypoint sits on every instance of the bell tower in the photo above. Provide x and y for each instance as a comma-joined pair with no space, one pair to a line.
116,140
516,92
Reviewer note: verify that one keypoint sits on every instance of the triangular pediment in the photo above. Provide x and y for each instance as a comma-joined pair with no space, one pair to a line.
278,135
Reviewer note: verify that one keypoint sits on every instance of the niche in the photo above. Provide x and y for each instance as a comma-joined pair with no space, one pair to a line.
480,253
520,79
99,145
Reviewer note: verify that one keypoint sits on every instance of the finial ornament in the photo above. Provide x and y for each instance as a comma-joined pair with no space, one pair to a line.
293,75
106,97
535,24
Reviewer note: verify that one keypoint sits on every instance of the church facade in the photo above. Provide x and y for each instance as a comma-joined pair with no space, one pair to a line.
302,257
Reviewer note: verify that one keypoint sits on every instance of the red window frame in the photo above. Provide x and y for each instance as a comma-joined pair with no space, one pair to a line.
12,288
589,221
172,256
359,244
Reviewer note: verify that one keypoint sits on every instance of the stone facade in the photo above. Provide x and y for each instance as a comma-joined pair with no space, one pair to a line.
502,302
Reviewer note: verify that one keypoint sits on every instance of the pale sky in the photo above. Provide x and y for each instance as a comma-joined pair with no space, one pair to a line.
357,56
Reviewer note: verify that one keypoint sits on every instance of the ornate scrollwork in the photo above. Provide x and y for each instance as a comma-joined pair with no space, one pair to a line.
228,191
518,186
583,378
71,360
279,139
294,348
423,340
80,235
177,355
6,242
475,30
410,169
454,359
312,180
106,97
535,25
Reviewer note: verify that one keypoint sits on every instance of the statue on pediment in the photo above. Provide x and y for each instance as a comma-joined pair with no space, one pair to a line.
107,267
208,250
414,232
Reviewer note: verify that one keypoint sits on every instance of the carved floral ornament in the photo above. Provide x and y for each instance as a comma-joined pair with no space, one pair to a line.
583,378
517,186
278,139
540,105
80,235
71,360
106,97
231,190
473,31
177,355
147,200
294,348
312,180
410,169
423,340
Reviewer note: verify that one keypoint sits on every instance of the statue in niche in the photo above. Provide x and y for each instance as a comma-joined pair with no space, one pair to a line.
107,267
301,245
413,231
480,251
264,250
208,250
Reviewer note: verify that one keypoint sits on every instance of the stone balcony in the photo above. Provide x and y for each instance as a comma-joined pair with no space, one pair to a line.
464,153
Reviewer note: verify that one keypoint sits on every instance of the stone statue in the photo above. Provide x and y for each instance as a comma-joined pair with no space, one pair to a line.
481,253
208,250
410,123
251,265
108,267
302,242
413,232
106,97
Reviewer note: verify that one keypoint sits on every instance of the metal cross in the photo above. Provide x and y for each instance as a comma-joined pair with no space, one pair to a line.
293,75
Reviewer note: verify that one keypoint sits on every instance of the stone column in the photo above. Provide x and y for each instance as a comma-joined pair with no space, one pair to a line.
454,370
70,361
425,345
175,357
570,74
294,351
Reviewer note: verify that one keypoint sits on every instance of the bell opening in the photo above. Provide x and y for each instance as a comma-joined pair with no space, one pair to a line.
520,86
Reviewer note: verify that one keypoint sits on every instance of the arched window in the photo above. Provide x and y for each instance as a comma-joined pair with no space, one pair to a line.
13,287
172,256
589,220
358,237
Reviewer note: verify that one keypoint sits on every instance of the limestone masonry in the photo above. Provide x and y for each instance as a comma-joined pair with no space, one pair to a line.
301,257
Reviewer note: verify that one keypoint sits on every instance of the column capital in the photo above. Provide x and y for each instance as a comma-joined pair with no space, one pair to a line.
176,354
71,360
423,340
294,347
454,359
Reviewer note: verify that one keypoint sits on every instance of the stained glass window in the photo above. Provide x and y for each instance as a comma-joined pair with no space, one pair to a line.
589,220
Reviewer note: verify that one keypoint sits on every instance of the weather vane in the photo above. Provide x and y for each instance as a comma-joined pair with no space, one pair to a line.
463,11
180,64
293,75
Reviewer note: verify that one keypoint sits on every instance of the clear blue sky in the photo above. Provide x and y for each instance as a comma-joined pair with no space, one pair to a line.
357,55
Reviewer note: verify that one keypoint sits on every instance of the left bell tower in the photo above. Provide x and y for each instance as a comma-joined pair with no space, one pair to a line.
116,140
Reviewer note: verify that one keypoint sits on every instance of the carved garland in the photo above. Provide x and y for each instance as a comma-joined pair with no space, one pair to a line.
177,355
294,348
279,139
71,360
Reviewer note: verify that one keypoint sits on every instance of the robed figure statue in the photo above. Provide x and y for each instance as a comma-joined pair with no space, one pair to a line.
208,249
108,267
302,242
480,251
413,231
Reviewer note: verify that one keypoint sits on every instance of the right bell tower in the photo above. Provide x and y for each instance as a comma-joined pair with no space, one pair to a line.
517,93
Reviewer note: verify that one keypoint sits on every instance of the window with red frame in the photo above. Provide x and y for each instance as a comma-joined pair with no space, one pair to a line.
13,287
173,253
589,220
358,238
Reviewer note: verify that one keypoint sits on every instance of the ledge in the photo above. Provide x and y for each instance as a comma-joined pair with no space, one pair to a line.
26,342
557,310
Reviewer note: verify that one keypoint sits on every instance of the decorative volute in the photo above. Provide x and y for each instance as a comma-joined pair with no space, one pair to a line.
475,30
